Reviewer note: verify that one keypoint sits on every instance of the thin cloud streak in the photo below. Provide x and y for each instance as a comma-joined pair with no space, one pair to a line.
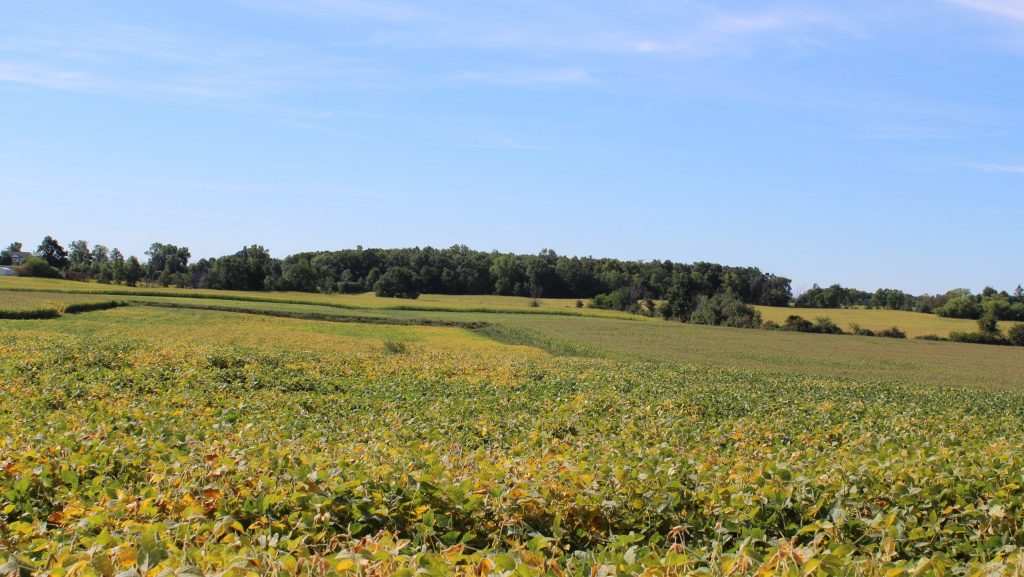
528,76
1011,9
998,168
360,9
32,75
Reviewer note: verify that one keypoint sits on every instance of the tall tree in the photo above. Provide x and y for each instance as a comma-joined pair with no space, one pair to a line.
116,266
53,253
132,271
100,254
165,261
79,256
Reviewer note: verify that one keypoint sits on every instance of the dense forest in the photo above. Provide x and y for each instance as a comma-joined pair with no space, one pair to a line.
698,292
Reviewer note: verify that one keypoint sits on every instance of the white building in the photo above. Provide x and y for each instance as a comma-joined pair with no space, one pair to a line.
18,257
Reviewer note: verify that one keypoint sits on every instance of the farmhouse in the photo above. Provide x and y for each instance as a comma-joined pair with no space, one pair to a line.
18,257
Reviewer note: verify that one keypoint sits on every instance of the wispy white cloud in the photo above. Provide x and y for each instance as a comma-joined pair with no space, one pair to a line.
540,45
528,76
362,9
723,31
34,75
103,57
691,27
1011,9
903,131
999,168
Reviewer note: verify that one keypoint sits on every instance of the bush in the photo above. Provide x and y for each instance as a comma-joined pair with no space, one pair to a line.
892,333
579,304
74,308
856,329
978,338
398,282
725,309
960,308
770,326
29,314
619,299
929,338
37,267
827,326
798,323
1015,336
395,347
988,323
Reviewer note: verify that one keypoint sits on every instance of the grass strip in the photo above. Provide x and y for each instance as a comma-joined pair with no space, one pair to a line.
311,316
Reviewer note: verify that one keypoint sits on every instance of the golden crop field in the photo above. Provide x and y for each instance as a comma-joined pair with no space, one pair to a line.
914,324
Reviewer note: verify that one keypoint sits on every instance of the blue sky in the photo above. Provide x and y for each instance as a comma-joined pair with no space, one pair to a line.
870,143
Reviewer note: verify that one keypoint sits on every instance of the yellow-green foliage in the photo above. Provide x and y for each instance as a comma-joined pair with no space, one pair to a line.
162,457
153,442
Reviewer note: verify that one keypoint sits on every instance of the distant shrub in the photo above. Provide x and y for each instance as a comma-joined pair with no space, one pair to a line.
619,299
76,275
35,266
75,308
579,304
929,338
856,329
534,303
1015,335
725,309
704,314
827,326
29,314
395,347
963,307
398,282
892,333
798,323
770,326
978,338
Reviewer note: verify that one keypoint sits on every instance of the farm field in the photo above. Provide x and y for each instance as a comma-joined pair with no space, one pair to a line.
914,324
158,440
16,301
864,359
631,337
467,303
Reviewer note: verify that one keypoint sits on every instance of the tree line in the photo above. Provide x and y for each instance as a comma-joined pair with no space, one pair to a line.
958,303
704,288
